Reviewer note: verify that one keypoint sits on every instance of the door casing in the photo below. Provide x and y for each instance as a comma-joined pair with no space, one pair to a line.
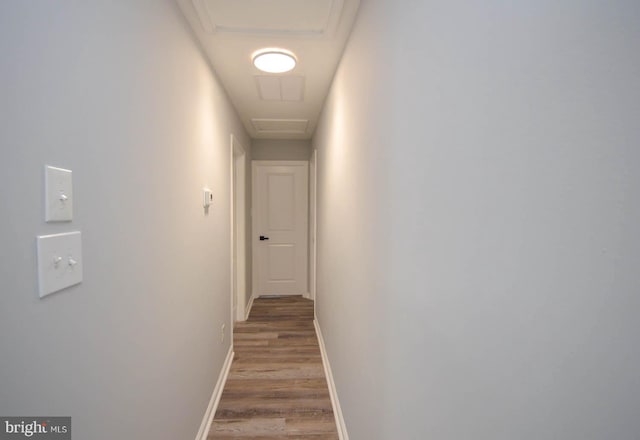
238,209
313,180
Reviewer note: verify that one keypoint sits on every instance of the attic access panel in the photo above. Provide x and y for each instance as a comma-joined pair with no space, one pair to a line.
310,18
280,88
280,126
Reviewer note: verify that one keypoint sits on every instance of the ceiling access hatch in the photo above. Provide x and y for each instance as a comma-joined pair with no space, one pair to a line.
280,88
280,126
304,18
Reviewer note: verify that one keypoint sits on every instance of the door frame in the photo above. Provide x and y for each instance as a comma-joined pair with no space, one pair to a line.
238,218
313,234
255,232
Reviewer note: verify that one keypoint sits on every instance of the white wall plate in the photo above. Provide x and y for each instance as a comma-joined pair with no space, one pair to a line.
59,261
58,195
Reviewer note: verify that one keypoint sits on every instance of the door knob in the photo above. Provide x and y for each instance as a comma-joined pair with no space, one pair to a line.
263,238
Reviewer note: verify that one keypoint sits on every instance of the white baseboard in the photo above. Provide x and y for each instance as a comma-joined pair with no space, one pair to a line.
215,397
337,411
247,309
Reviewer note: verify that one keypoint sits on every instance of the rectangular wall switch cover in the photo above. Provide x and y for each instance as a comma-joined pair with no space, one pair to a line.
58,195
207,197
59,261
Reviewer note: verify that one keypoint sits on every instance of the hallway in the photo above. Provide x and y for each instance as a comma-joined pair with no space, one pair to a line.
474,218
276,387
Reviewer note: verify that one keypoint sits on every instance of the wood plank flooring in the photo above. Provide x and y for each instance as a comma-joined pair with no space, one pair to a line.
276,387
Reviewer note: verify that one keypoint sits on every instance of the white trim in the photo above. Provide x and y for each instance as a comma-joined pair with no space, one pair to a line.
203,432
248,309
238,218
313,225
232,243
333,393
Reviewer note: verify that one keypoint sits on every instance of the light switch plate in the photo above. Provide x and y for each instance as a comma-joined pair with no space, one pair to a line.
207,197
58,195
59,261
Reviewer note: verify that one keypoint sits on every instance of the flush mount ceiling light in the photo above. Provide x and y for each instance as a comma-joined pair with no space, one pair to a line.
274,60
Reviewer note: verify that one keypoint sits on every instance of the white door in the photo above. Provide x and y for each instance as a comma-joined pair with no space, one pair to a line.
280,227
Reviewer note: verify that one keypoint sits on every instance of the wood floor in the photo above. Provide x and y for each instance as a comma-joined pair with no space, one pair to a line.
276,387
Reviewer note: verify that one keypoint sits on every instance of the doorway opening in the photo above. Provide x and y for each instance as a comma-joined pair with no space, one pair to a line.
238,211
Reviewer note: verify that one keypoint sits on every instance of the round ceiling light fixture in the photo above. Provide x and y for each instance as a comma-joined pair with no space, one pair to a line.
274,60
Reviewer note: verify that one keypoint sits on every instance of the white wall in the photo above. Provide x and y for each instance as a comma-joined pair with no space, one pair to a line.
276,149
119,93
507,218
353,228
